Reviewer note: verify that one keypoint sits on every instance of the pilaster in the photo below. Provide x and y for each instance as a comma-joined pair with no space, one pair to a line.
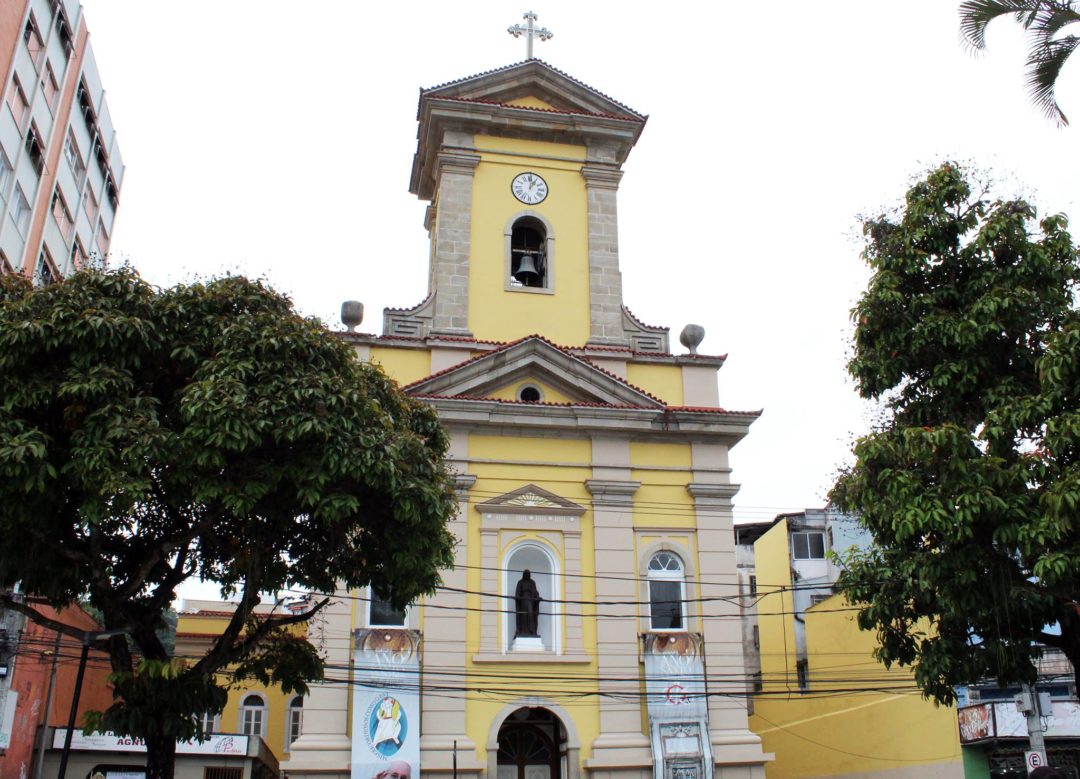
732,742
605,280
445,648
452,226
325,747
621,742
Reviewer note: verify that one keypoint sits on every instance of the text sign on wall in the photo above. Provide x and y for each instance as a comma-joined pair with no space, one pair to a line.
386,704
217,744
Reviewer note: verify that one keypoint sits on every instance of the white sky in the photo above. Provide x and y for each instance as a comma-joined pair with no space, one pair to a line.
275,139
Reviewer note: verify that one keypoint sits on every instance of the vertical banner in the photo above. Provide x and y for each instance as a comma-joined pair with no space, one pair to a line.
678,706
386,704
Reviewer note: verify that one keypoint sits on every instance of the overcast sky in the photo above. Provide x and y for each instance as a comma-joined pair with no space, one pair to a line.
275,139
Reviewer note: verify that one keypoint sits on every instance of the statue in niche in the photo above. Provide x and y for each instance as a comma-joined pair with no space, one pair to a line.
527,604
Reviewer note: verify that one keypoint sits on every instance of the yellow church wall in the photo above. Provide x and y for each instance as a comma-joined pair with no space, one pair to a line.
664,471
663,381
821,733
502,464
403,365
562,315
531,102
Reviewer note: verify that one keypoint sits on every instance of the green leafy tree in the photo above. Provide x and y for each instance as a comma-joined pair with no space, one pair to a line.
1048,48
971,483
203,432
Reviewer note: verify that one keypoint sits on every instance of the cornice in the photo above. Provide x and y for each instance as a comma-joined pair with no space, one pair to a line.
597,177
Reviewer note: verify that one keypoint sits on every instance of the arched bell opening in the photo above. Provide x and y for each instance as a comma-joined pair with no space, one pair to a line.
529,253
533,745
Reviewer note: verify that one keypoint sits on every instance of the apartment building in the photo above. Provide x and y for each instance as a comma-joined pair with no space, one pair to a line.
60,165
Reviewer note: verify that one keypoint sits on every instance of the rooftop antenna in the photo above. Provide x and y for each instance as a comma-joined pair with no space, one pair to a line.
530,31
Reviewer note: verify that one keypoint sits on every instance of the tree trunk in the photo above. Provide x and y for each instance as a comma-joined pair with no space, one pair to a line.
160,757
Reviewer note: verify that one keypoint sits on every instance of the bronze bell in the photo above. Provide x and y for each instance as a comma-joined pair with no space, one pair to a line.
527,272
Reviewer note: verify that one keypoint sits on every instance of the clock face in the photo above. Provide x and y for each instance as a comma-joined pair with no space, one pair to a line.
529,188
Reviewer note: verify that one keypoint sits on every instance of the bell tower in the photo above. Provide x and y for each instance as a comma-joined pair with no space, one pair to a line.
521,167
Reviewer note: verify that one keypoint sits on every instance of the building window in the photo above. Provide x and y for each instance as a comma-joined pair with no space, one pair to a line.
253,716
78,255
819,597
213,772
666,588
62,215
753,584
381,614
90,205
530,393
294,721
50,87
45,272
20,211
32,38
210,723
34,150
17,102
757,637
63,30
808,546
5,173
802,669
102,240
74,158
5,265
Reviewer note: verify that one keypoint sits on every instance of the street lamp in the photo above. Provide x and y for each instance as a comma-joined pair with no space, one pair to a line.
88,638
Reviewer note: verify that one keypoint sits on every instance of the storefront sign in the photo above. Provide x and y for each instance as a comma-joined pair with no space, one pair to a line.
217,744
386,704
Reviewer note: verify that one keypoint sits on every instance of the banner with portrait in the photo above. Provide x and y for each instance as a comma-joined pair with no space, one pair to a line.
386,704
678,705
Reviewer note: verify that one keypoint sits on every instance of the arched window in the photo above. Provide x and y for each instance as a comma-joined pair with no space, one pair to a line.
666,592
294,721
530,254
253,716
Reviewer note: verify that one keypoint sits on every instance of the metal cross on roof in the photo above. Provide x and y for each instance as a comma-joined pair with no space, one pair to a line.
530,31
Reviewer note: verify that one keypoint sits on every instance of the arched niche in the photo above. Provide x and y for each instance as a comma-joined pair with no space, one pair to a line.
541,564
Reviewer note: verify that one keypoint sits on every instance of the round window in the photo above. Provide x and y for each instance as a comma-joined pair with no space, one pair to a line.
530,394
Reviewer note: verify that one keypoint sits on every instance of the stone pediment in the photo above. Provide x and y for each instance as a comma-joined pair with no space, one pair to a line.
530,499
533,359
529,100
530,82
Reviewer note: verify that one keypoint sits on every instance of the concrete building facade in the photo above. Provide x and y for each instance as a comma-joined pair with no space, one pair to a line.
60,164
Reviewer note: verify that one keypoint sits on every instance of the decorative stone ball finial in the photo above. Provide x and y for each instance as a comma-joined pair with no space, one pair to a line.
352,314
691,336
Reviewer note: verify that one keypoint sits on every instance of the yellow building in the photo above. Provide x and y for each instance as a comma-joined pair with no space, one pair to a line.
252,709
595,568
826,707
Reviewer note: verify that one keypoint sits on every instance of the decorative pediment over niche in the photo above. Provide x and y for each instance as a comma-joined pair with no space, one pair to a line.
530,499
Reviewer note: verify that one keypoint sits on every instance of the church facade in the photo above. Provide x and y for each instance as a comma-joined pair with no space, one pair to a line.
587,454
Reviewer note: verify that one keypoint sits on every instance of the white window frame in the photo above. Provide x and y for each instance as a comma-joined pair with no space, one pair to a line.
807,534
667,575
294,720
211,723
372,624
20,210
259,714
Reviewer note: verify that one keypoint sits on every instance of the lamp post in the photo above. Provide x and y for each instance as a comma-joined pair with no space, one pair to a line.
88,638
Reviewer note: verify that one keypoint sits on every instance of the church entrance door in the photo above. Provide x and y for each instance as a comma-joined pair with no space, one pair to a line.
532,745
